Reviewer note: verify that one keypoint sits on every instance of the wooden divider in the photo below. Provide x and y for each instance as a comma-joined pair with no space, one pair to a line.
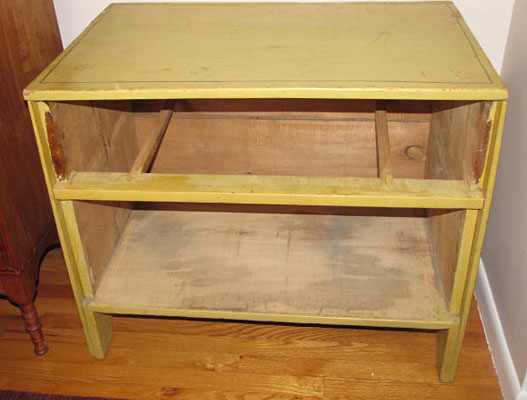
383,144
149,148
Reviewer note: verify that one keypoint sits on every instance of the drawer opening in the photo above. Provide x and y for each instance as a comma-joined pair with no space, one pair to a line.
245,261
288,137
441,140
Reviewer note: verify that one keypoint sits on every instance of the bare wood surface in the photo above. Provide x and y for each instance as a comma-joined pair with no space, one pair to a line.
182,358
100,225
149,148
459,134
322,265
444,232
97,136
384,160
287,142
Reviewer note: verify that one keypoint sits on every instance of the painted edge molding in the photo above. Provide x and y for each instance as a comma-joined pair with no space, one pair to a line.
510,384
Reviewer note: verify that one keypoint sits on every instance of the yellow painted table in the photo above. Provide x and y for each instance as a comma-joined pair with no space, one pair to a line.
304,163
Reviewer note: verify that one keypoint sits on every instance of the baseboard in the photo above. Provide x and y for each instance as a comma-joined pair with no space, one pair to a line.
522,395
509,382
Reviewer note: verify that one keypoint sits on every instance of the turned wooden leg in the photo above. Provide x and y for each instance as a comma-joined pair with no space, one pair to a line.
34,328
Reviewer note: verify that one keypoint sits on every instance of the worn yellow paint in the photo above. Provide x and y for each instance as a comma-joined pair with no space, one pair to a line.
441,322
447,346
99,328
494,115
262,50
76,247
465,248
267,189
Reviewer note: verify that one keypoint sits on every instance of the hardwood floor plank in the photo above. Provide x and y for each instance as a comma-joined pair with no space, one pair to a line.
363,390
178,375
138,392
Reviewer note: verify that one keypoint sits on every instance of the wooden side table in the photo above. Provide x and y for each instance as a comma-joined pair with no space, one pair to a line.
303,163
29,39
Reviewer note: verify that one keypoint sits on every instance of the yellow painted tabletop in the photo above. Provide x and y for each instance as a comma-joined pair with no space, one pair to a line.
295,50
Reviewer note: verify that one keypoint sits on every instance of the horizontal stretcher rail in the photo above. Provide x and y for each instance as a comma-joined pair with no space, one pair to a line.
264,189
442,322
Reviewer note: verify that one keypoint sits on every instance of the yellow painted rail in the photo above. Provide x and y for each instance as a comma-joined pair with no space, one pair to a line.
443,321
263,189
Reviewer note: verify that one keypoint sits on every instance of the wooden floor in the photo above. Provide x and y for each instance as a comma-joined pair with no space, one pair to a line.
188,359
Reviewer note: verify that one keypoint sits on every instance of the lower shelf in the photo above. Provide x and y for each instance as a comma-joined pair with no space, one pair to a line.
359,270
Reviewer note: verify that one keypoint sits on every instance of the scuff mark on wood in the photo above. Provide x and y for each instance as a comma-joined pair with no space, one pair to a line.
55,148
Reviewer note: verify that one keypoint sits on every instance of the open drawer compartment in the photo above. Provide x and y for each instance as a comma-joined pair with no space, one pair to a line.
338,265
405,153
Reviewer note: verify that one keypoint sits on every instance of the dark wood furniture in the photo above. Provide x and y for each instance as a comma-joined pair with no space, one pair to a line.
29,40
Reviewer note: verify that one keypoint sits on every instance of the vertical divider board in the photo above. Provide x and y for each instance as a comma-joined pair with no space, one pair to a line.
149,148
384,160
95,136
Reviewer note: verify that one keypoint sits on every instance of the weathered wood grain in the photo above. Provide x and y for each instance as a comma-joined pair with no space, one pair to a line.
459,135
150,146
96,136
384,161
286,143
320,265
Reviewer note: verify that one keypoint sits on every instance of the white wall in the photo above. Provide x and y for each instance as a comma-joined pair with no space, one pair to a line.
505,250
488,20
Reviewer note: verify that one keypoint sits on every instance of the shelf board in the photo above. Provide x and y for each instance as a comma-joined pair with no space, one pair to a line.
335,269
259,189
